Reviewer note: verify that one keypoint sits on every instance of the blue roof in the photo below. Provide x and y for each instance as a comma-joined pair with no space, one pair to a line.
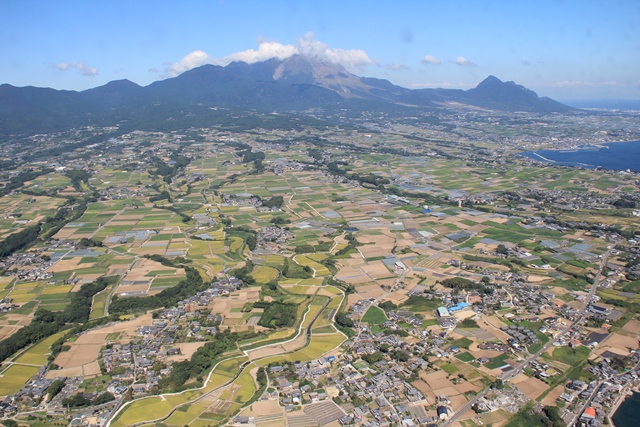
459,306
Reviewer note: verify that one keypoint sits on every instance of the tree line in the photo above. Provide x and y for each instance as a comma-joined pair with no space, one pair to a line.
46,323
169,297
201,361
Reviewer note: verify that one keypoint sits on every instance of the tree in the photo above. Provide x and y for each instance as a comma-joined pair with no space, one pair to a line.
387,306
497,384
400,356
553,413
76,401
103,398
274,202
372,358
468,323
343,320
55,388
280,220
304,249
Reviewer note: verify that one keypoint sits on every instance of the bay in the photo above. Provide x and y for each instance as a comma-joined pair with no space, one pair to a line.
628,413
612,156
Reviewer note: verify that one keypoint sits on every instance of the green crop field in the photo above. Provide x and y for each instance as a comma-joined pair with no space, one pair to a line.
374,316
320,269
142,410
247,386
165,282
319,345
56,289
264,274
465,357
186,414
38,354
15,377
497,361
571,356
224,372
449,368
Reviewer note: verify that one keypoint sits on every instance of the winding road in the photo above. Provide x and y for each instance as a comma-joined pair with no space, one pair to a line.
305,331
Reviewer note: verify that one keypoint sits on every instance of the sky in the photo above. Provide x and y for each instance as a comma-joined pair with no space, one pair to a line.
571,49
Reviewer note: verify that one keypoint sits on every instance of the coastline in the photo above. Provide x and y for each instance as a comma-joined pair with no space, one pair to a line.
619,401
618,156
543,158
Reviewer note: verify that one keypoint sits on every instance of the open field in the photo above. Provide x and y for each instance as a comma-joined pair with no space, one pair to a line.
532,387
374,316
38,354
143,409
85,349
13,378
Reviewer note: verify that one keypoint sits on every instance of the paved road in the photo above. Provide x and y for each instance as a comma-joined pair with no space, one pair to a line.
519,368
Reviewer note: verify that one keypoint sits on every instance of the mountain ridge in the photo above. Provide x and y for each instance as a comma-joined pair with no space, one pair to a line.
297,83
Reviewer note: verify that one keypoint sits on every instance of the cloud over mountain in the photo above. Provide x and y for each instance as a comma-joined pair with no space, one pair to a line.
351,59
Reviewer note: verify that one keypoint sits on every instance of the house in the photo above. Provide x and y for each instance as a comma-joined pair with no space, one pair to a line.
567,397
599,310
588,414
443,412
443,312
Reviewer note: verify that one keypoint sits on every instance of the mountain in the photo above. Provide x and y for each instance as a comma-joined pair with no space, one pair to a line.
494,94
294,84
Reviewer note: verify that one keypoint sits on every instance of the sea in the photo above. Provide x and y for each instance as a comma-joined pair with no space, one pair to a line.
628,413
604,104
610,155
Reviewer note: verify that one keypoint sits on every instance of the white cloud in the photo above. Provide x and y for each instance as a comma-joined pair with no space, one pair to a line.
463,62
192,60
397,67
352,59
266,50
428,59
82,68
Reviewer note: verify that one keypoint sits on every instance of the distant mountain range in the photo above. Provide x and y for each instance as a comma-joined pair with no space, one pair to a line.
294,84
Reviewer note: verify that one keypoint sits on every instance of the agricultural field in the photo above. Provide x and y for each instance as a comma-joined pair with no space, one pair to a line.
296,257
374,316
14,377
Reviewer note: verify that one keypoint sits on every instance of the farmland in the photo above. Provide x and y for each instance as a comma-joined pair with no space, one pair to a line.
327,259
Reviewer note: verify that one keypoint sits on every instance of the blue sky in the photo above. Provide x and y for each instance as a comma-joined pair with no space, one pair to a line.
563,49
